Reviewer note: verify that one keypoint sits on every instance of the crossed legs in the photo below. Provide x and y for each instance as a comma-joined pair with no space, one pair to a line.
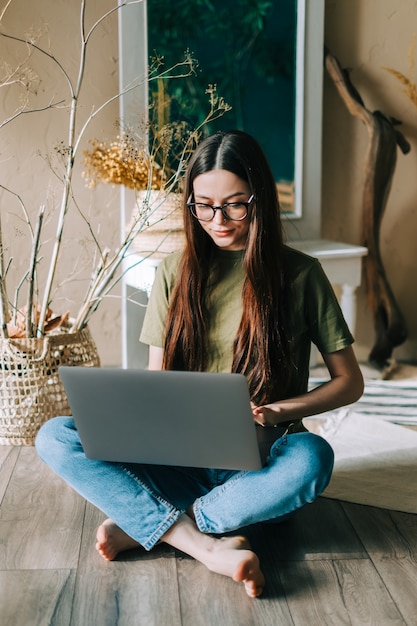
230,556
152,503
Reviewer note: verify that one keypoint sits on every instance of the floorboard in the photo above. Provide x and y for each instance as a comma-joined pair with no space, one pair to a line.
365,595
8,458
389,533
338,592
313,593
390,538
41,517
37,597
400,579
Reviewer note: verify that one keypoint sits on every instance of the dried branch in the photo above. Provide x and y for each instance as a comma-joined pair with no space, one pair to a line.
101,19
51,105
4,307
32,271
5,9
67,177
16,296
23,207
34,46
20,75
88,224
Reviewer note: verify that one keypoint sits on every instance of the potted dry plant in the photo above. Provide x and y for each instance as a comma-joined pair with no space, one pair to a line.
35,339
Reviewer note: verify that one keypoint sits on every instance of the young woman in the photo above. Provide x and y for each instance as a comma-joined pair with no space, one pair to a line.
235,299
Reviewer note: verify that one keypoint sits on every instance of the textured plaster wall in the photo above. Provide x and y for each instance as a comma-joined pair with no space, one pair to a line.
366,36
28,143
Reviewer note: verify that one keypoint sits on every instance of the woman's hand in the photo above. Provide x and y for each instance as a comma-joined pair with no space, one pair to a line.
344,387
267,415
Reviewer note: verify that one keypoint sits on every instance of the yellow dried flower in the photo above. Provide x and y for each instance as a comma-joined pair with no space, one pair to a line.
121,162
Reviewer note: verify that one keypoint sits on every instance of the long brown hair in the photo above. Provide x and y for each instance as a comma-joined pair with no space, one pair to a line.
261,346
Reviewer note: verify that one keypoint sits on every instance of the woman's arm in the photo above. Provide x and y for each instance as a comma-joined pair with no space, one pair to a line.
344,387
156,356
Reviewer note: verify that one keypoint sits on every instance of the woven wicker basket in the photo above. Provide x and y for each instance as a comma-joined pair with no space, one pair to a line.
164,232
31,389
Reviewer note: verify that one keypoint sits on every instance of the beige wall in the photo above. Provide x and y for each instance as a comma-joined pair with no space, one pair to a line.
366,36
28,142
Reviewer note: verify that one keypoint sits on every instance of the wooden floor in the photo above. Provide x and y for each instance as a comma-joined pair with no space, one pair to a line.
334,563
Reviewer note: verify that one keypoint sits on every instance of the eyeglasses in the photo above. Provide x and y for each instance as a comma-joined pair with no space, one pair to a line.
235,211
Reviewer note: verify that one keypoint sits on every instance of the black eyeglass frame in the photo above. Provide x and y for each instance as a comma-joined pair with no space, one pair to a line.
223,209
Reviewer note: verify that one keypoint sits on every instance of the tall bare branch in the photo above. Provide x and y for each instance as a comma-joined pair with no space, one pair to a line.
32,271
4,305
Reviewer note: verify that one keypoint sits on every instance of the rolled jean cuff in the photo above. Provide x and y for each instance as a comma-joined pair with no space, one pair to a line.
160,532
207,524
199,520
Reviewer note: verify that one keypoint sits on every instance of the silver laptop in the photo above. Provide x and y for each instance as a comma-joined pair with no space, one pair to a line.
189,419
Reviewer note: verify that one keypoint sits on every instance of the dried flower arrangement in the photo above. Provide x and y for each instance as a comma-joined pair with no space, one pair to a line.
121,163
131,160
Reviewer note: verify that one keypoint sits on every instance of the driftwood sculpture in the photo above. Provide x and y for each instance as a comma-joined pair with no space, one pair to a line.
380,161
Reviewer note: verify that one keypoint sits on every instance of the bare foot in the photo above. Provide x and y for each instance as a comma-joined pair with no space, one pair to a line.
230,556
233,557
111,540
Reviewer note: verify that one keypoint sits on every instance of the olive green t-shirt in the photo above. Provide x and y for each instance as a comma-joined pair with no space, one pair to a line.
315,312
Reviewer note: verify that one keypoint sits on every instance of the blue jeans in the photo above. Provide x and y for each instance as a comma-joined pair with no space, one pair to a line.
146,500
